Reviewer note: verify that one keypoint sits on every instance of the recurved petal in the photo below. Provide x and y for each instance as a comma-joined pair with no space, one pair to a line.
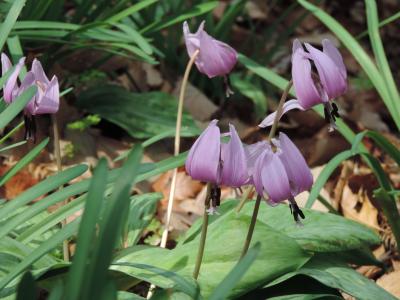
329,73
257,172
192,40
39,73
330,50
306,92
11,86
50,102
296,45
297,170
274,178
234,165
203,161
5,64
289,105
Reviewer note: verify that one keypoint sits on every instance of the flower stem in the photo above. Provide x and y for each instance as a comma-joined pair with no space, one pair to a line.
251,227
203,235
270,137
244,199
57,155
279,110
185,79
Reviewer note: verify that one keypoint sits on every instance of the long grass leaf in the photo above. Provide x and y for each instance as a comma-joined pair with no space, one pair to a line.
10,20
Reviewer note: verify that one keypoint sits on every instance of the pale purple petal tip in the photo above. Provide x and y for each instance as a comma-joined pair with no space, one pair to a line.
289,105
50,102
329,73
296,167
11,86
234,166
203,159
330,50
304,86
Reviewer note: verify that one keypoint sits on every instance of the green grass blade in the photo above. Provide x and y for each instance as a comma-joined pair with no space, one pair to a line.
223,289
42,250
12,146
197,10
131,10
386,21
16,52
16,106
26,287
23,162
379,52
111,226
358,53
87,231
325,174
10,20
42,188
15,129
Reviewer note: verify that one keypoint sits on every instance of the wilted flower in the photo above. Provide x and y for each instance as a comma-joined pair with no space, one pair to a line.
279,175
217,162
215,57
10,89
312,89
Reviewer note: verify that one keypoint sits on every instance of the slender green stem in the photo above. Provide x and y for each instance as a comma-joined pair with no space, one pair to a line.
203,235
251,227
270,137
245,198
279,110
12,131
57,155
171,196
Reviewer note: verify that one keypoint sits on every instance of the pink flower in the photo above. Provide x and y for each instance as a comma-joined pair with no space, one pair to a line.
310,89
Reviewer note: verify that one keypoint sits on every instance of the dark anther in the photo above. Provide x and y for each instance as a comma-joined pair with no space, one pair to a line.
215,196
326,114
30,128
296,211
335,110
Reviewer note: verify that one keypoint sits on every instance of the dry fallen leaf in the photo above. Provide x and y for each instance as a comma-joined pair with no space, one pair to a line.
390,282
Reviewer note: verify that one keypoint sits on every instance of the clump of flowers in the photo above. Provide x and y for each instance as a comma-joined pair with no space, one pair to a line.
45,101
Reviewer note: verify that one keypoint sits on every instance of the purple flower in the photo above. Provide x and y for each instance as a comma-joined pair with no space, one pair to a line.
216,162
10,89
47,98
312,89
215,58
280,175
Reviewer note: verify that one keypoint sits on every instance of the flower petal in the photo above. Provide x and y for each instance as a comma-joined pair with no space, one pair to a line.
50,102
234,165
330,75
274,178
203,161
289,105
39,73
297,170
28,81
192,40
304,86
10,89
253,152
330,50
5,64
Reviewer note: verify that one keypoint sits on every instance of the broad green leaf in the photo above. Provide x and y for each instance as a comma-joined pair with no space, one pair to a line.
9,21
16,106
223,289
141,115
23,162
278,255
330,271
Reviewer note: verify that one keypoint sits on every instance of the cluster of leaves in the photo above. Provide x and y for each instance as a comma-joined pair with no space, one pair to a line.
288,262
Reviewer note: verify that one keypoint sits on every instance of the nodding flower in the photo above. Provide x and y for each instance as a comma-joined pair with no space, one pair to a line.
329,82
215,58
279,172
218,162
